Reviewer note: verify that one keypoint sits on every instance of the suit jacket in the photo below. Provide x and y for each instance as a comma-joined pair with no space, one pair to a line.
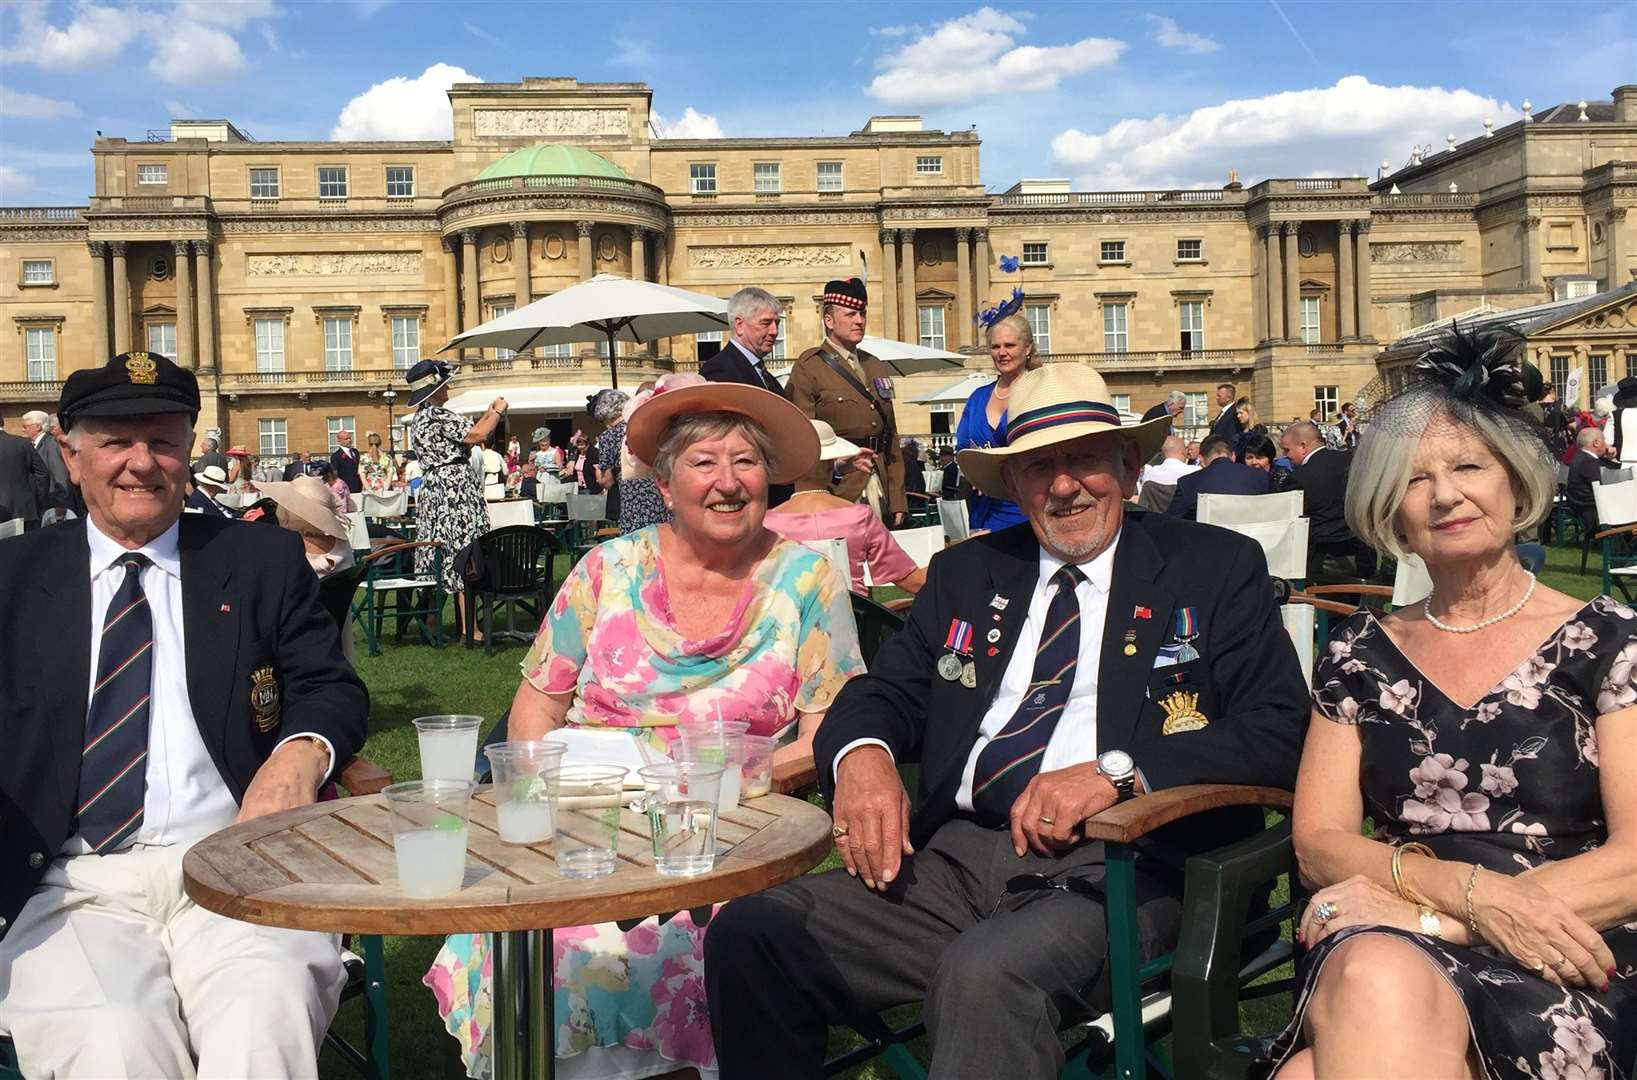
1585,470
1322,480
24,481
1224,476
61,492
1227,424
249,601
1247,676
344,459
865,418
731,364
294,469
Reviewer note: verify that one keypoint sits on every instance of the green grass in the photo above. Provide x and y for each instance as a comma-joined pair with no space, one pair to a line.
415,680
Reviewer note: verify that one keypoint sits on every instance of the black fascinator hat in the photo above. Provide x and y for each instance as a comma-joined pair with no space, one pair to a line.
1461,372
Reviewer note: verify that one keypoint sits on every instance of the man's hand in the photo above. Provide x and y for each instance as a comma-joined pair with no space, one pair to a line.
1046,817
863,461
287,779
871,806
898,520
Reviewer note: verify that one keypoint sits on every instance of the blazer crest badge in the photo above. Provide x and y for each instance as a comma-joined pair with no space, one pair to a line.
264,699
1182,712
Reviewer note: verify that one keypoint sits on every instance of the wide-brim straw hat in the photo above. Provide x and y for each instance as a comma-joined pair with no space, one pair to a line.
310,499
1053,404
795,443
832,447
214,475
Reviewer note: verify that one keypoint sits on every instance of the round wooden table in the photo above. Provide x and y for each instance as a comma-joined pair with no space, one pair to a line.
331,867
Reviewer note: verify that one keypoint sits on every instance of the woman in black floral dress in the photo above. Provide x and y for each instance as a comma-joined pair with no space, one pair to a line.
1489,928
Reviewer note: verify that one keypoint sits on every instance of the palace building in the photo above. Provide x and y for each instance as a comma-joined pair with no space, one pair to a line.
301,278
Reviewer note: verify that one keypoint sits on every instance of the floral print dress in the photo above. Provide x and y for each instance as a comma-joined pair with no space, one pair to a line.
1510,783
449,508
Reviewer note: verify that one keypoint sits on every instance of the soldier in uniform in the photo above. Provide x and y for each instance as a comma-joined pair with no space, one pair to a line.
852,391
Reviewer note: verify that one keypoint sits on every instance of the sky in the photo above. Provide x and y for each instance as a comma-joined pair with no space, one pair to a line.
1109,95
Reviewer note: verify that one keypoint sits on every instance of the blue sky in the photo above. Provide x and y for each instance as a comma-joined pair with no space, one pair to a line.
1112,95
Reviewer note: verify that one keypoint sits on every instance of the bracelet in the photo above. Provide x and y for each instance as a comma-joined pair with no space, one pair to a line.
1431,925
1471,919
1404,891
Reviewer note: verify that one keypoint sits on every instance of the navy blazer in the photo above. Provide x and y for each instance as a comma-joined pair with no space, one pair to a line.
249,601
1322,480
344,460
732,364
1224,476
1227,424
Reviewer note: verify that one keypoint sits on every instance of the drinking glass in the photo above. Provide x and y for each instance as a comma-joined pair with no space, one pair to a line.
718,744
757,774
585,815
680,800
448,746
429,835
522,806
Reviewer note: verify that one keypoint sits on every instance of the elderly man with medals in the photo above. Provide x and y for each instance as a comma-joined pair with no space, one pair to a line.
1047,671
852,391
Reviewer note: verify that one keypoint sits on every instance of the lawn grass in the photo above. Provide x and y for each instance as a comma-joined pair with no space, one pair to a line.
414,680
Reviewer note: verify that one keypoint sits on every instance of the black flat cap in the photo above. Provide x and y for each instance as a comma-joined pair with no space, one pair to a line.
131,384
849,293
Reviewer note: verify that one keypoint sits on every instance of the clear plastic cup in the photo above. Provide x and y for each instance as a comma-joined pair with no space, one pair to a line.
522,805
717,746
757,774
429,835
680,800
448,746
585,816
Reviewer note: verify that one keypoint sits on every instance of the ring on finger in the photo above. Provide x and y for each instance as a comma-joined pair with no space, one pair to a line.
1044,820
839,831
1535,965
1325,911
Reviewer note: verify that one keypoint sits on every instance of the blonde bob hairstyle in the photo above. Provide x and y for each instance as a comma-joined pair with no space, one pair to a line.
1025,337
1383,463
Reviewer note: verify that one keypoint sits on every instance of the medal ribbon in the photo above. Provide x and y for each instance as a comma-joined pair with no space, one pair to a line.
959,638
1186,626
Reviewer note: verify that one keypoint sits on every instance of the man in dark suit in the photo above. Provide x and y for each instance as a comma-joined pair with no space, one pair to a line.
210,453
1319,472
1219,475
1172,407
344,460
298,466
950,484
1227,423
1046,673
24,482
754,317
180,675
1592,456
60,494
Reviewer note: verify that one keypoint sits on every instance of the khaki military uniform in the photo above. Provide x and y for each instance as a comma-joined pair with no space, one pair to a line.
864,418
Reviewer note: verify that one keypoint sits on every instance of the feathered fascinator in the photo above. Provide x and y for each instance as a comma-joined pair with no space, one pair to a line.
990,316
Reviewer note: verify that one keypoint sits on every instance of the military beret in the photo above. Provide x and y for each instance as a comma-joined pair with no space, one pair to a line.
849,293
131,384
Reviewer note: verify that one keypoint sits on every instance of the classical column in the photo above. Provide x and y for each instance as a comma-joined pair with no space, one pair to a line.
639,254
1361,258
588,268
963,288
451,288
122,298
1531,225
982,262
473,314
520,262
662,268
889,283
1273,272
906,260
1291,230
1618,274
1344,308
184,304
99,300
207,306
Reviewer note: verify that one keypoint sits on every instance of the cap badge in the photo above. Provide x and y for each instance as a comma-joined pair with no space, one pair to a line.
141,369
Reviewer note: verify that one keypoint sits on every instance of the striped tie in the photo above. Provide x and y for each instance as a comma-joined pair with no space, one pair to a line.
1006,765
113,768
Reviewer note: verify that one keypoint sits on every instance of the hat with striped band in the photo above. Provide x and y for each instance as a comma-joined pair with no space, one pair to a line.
1052,404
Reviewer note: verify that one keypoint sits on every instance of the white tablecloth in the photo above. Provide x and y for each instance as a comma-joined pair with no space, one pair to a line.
392,504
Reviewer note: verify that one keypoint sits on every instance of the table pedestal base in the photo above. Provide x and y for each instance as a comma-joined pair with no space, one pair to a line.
524,1039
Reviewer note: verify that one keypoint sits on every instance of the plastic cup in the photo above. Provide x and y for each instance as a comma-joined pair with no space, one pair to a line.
680,800
757,774
429,835
522,805
448,746
717,747
585,815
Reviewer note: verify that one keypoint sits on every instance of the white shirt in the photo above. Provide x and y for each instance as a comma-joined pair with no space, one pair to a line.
1168,471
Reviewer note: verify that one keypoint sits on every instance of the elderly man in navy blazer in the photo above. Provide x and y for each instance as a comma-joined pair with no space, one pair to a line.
754,315
179,675
1220,475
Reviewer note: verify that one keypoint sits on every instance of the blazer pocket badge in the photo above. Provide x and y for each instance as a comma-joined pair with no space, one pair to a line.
264,699
1182,712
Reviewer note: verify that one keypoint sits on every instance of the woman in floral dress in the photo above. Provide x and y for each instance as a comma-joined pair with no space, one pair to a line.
1489,928
709,615
375,468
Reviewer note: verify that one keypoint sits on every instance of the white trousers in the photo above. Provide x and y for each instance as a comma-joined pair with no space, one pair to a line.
111,971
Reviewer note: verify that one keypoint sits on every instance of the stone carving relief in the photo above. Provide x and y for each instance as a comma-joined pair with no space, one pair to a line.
553,245
427,224
1421,251
607,249
729,219
757,257
530,122
500,250
333,264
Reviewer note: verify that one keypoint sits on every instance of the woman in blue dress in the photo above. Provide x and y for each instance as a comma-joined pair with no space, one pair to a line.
983,421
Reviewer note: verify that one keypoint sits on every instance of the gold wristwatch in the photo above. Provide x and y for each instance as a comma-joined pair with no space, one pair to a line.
1431,925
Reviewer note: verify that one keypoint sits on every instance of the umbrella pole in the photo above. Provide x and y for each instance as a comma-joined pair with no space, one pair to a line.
613,360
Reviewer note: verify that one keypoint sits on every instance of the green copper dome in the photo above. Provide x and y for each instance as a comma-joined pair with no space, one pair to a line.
553,159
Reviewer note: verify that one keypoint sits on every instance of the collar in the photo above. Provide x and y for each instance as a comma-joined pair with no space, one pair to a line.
840,349
164,550
1099,571
752,357
1310,453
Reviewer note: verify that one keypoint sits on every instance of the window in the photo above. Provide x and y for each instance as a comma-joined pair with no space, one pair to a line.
264,183
829,176
1327,399
1196,411
152,174
275,439
1598,368
338,424
495,312
269,344
42,354
765,177
1193,325
1113,251
162,338
929,165
332,182
406,341
932,326
1310,319
1122,403
337,344
712,336
942,417
39,272
1560,377
1040,325
778,352
400,181
1115,338
565,351
1035,253
1190,250
702,178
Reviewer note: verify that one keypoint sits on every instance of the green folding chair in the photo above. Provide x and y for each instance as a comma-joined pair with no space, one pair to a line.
392,587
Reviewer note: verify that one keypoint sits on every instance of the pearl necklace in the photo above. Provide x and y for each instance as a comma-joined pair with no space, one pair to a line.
1426,609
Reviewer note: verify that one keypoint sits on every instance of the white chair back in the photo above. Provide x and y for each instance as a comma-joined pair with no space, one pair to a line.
511,512
237,500
1616,502
391,505
836,551
919,544
1411,582
357,532
956,525
1273,521
587,507
934,481
14,527
550,492
1301,624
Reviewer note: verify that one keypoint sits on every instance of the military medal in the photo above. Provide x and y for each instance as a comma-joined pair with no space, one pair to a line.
1182,713
949,667
1186,629
1130,643
959,643
969,675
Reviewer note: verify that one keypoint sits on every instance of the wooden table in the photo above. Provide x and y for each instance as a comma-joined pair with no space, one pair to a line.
331,867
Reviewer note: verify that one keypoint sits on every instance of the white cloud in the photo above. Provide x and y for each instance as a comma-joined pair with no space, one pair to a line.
1172,36
179,110
1341,130
26,106
192,41
94,36
483,35
404,108
234,14
193,53
692,125
976,56
895,31
14,183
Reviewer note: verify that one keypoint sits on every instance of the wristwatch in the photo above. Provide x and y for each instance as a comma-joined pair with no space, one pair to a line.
1121,771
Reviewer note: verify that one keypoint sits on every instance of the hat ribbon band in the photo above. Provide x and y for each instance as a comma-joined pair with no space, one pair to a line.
1068,412
426,380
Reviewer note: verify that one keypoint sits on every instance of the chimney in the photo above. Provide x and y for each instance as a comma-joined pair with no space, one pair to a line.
1625,104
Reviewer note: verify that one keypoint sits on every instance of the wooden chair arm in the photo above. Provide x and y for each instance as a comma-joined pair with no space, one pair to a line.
393,549
1618,530
795,774
899,603
1132,820
1335,607
1349,590
361,776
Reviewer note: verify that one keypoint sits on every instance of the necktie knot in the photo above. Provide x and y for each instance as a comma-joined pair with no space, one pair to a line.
134,563
1068,578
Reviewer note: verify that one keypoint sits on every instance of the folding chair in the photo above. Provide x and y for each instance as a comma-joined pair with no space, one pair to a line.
14,527
392,585
585,512
919,544
508,512
952,513
1616,503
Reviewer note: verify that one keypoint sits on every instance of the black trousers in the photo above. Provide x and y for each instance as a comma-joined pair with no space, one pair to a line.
997,971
